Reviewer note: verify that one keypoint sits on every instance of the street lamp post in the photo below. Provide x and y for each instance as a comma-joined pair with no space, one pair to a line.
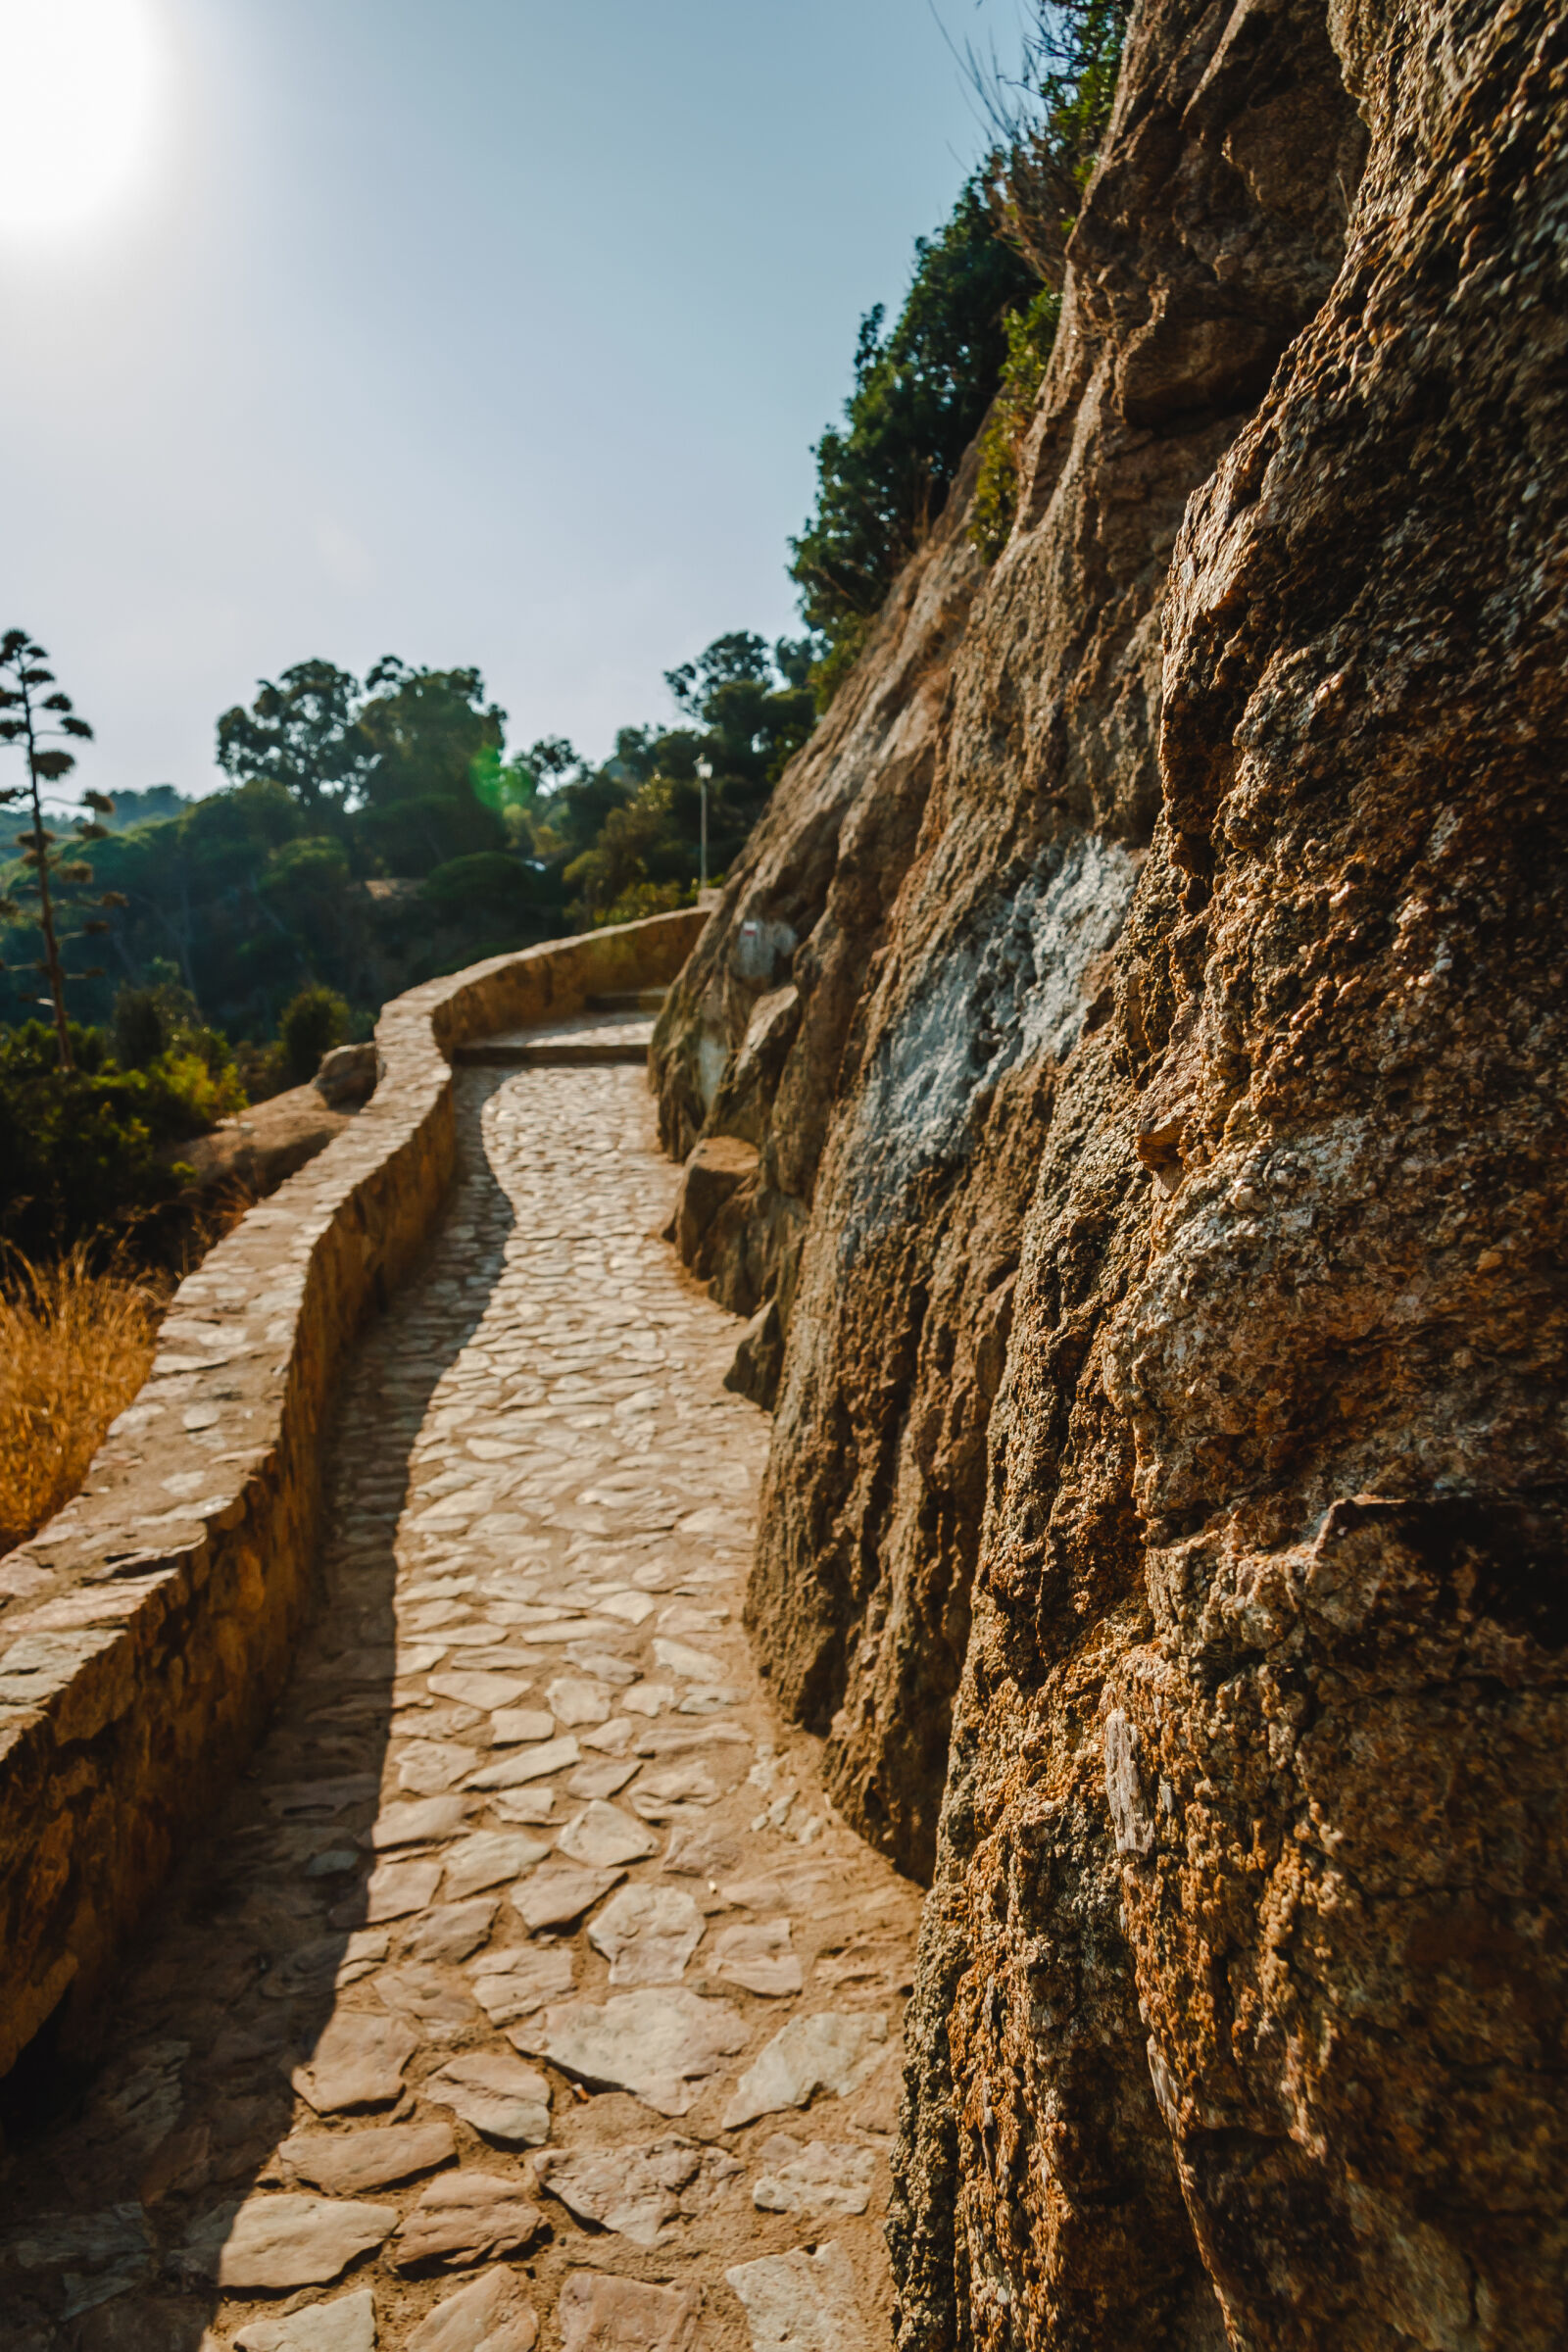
705,772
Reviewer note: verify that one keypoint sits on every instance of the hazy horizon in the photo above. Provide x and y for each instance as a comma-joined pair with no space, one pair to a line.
482,335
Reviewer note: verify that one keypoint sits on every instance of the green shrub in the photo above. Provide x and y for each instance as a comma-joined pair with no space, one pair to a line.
1030,337
91,1149
312,1023
488,878
921,393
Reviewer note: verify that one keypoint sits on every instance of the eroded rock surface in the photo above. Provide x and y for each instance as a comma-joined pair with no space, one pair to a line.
1172,1350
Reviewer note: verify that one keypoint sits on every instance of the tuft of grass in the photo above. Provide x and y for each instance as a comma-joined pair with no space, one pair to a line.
77,1341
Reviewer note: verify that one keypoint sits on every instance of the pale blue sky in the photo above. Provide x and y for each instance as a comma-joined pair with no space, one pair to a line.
485,330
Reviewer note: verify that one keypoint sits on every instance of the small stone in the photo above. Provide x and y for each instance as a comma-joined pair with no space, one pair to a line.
649,1699
601,1836
697,1850
604,1665
496,2095
515,1981
519,1727
661,2046
358,2062
452,1931
489,1858
554,1896
836,2050
523,1804
610,1738
335,1863
758,1956
602,1778
648,1934
659,1795
630,1608
576,1700
488,2314
346,2163
597,2313
486,1692
429,1767
528,1764
416,1823
812,2178
270,2243
708,1700
419,1989
391,1892
345,2325
465,2217
637,2191
801,2302
691,1665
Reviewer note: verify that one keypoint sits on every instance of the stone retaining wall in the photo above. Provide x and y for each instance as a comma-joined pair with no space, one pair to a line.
146,1632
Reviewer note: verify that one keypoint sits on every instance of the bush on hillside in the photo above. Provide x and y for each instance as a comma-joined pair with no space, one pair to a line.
312,1023
921,390
94,1149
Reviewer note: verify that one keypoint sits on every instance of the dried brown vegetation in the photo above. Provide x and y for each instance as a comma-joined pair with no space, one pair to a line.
76,1342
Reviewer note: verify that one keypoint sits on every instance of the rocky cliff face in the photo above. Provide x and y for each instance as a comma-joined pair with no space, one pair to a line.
1169,1255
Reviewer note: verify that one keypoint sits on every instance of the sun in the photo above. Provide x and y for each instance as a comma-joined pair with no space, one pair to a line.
77,92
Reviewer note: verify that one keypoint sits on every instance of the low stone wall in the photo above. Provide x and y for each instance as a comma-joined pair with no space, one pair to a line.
146,1632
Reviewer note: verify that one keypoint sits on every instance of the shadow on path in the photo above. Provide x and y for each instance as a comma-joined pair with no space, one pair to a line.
110,2170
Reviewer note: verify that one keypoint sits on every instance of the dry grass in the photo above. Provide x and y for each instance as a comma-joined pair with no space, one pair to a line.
76,1343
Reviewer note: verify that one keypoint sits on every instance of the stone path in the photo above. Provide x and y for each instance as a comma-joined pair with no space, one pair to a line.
527,1991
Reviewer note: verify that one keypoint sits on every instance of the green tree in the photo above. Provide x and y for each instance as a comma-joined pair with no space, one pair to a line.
428,732
921,390
53,873
303,733
632,828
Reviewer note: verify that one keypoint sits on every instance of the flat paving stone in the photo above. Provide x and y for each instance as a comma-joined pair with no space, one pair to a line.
812,2176
492,2314
756,1954
452,1931
269,2243
648,1934
345,2325
491,1858
637,2190
554,1898
834,2051
515,1981
801,2302
598,2313
661,2046
392,1891
497,2095
347,2163
602,1837
465,2217
358,2062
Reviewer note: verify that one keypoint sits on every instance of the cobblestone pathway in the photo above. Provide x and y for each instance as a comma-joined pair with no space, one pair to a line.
525,1990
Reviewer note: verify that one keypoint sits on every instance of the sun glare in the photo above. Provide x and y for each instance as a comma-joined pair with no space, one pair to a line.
76,91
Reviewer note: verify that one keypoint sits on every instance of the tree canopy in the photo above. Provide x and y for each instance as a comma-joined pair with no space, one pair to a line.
921,390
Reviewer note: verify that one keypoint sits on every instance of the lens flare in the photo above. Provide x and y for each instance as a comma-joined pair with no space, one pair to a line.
77,85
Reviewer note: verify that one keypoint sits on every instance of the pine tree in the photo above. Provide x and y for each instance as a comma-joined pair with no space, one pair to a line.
57,872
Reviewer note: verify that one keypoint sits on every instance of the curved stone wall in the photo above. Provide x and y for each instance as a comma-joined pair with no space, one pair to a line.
147,1631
